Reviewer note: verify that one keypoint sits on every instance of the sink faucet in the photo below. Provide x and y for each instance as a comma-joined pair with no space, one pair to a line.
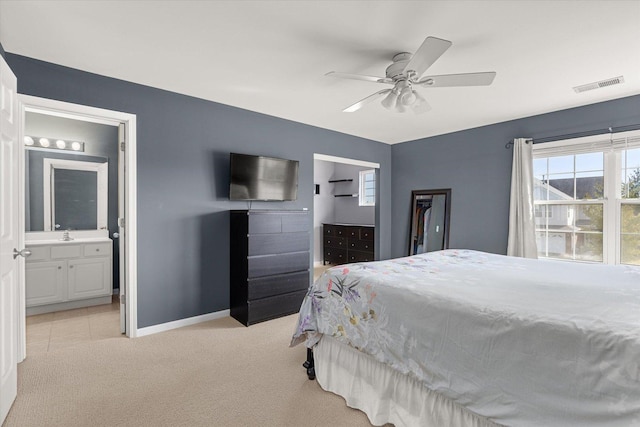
65,236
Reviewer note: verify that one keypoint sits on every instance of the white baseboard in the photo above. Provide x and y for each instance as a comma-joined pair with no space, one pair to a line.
149,330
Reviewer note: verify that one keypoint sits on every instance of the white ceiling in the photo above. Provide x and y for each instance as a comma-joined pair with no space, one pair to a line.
271,56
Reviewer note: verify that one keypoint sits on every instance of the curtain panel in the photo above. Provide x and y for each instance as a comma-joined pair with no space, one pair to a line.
522,227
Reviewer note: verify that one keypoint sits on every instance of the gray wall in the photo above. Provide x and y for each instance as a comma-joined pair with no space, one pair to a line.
477,167
183,166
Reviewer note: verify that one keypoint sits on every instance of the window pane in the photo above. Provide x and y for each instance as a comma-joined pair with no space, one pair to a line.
540,190
630,249
541,243
554,244
633,159
588,217
630,234
588,247
561,164
589,162
589,185
631,183
562,187
540,168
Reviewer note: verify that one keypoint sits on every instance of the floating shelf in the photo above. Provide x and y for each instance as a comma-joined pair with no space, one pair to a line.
340,180
346,195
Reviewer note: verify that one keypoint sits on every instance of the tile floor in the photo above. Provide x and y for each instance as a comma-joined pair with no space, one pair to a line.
51,331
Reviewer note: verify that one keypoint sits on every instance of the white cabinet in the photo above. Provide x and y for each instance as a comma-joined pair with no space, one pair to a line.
65,275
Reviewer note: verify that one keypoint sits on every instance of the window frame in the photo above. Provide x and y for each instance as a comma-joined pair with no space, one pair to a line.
612,146
362,193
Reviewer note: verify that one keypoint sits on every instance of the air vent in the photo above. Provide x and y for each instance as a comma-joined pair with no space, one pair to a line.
600,84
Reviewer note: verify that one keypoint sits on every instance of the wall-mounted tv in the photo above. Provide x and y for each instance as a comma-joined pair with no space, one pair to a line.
262,178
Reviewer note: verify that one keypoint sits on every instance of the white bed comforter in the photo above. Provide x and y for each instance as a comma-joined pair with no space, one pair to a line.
522,342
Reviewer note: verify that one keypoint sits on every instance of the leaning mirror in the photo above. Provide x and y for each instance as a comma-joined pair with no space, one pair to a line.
429,228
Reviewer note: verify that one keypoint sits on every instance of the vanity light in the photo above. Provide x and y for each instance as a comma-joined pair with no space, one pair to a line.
60,144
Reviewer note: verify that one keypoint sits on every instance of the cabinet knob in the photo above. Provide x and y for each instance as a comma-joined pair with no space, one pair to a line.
59,267
71,266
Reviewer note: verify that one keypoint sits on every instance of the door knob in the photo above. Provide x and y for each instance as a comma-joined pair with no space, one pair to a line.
23,253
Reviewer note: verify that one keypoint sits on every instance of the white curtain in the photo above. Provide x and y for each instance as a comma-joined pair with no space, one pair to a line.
522,231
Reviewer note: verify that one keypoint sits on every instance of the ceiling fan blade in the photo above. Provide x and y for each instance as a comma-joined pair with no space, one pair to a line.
358,105
449,80
430,50
373,79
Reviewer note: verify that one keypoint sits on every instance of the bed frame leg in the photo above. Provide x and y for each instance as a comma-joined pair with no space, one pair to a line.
310,365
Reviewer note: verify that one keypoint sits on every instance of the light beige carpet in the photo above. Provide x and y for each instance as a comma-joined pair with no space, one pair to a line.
218,373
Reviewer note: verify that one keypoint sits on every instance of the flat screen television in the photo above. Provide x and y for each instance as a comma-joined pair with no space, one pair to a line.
262,178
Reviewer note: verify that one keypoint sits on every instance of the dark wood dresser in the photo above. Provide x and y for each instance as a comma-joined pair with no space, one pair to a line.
269,263
345,243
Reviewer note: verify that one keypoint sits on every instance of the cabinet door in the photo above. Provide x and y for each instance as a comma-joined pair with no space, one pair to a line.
46,282
89,278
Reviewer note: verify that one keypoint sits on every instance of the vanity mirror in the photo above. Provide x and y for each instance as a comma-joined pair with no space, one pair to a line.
66,191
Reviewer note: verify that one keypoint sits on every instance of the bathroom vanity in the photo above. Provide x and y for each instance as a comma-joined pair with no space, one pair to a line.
66,274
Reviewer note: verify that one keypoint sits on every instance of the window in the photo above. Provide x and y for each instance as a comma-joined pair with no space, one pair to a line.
587,199
367,193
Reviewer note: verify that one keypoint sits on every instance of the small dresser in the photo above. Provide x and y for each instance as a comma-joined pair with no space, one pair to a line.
346,243
270,259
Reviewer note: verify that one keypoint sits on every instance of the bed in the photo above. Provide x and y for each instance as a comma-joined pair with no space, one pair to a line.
466,338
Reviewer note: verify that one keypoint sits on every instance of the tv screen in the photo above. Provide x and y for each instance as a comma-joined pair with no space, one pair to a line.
262,178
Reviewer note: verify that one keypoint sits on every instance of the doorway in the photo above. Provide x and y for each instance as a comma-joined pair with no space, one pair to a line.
340,186
40,116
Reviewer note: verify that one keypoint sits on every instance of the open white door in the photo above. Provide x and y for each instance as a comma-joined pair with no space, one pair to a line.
121,227
10,264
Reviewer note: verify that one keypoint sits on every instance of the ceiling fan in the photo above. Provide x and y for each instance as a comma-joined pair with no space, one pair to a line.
405,73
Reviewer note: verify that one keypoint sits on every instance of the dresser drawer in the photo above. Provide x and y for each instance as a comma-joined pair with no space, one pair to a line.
264,223
361,245
333,230
276,285
272,307
357,256
97,249
335,256
268,265
353,232
334,242
265,244
367,233
293,222
66,251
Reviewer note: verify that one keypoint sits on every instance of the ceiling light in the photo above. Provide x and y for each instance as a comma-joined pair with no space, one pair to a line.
407,96
389,102
421,105
60,144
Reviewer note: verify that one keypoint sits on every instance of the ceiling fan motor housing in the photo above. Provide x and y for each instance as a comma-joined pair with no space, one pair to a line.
400,61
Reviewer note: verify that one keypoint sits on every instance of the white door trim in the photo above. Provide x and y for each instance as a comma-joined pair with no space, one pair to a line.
335,159
114,118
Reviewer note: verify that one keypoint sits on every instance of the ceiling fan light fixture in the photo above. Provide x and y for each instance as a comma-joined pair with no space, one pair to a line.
389,102
407,96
